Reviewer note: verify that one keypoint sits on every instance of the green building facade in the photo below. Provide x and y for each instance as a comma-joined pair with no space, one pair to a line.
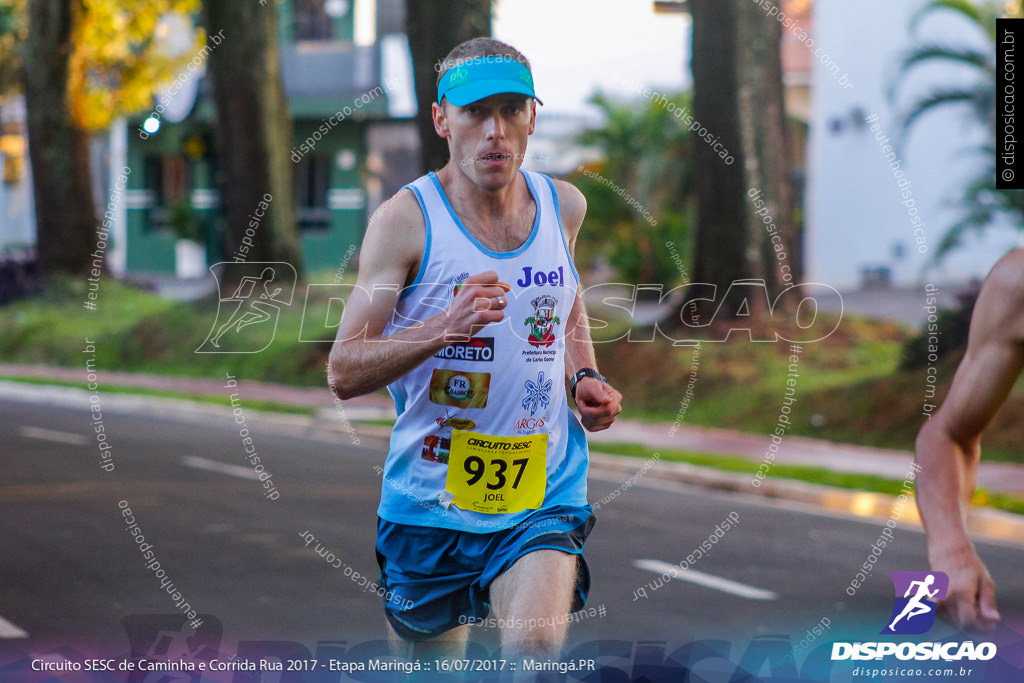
340,102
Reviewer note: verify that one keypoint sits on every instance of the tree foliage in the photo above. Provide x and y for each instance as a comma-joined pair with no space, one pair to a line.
952,327
13,29
83,64
122,56
639,195
118,54
981,203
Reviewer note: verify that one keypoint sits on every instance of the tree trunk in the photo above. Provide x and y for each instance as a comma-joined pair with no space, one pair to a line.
58,149
254,130
725,250
738,98
766,144
434,28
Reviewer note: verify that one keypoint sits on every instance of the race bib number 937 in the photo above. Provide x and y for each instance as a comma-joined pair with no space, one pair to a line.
497,474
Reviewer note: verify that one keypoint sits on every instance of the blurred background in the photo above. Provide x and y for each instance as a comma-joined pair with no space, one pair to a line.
843,147
149,168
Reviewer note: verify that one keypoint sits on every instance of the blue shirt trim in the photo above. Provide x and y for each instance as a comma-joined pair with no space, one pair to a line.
561,228
425,258
495,254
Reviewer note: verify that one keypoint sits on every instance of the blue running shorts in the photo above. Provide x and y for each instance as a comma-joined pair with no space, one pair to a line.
439,579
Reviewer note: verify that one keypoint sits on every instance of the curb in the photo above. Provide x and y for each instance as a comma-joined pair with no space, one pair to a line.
335,425
328,424
986,523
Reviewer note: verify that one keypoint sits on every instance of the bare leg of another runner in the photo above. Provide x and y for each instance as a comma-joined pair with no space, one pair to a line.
450,644
534,598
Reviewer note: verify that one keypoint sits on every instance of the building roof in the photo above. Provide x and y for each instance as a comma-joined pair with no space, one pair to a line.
320,79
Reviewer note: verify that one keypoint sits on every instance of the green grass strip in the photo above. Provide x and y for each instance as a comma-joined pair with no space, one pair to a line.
812,475
256,404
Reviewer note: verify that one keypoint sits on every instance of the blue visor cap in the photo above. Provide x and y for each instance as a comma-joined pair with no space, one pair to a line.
482,77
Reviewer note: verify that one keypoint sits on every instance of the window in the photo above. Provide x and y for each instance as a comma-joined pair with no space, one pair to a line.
312,21
169,179
312,181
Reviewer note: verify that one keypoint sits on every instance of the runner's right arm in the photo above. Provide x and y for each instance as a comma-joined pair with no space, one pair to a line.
598,403
362,360
949,444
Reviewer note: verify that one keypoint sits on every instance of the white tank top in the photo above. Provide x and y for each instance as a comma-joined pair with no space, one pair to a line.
508,381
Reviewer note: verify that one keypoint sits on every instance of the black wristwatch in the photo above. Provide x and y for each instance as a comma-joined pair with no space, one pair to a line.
585,372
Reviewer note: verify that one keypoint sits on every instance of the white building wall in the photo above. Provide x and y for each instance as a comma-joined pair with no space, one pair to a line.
857,218
17,210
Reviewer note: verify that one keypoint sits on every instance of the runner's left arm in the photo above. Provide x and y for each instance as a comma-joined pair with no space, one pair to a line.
949,444
598,402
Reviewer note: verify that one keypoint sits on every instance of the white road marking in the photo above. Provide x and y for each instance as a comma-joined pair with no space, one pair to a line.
214,466
9,630
708,580
53,435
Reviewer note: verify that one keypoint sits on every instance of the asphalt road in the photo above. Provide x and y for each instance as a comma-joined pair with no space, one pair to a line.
72,577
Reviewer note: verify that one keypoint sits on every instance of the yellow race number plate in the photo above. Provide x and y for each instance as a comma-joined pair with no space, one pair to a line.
497,474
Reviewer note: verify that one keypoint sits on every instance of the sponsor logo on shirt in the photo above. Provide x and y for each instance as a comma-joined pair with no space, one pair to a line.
451,422
459,389
476,350
542,322
529,425
555,278
436,448
531,422
538,394
456,283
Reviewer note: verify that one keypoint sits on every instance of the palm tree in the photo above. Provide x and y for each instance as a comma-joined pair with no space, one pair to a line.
981,202
640,193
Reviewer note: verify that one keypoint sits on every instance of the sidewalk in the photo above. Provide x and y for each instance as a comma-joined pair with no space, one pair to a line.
303,397
794,450
986,523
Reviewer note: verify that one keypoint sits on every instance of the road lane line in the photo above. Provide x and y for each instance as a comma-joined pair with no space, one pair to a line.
214,466
9,630
707,580
53,435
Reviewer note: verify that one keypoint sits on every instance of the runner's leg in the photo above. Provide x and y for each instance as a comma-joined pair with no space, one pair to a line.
534,598
450,644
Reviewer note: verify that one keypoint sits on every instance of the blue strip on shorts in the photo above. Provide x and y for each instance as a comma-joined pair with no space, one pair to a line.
439,579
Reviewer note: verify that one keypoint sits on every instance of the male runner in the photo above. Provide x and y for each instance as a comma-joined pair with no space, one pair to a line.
949,444
467,307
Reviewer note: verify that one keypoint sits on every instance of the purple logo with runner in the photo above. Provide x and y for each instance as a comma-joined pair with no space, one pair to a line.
917,596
